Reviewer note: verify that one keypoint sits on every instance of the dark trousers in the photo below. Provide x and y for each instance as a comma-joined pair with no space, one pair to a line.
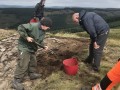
25,64
96,54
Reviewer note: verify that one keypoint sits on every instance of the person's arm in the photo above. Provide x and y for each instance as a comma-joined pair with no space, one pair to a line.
41,39
42,2
43,44
23,30
42,7
36,10
90,28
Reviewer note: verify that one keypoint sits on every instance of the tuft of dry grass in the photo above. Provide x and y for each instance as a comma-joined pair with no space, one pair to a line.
6,33
73,35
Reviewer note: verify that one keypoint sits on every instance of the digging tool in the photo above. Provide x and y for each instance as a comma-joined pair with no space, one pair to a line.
51,51
38,43
33,40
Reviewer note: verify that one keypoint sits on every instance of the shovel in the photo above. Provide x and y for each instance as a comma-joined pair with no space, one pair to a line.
51,51
39,44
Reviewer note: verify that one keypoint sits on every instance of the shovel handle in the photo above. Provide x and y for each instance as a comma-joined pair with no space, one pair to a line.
39,45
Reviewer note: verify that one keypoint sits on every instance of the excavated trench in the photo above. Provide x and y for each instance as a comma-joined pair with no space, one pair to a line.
60,49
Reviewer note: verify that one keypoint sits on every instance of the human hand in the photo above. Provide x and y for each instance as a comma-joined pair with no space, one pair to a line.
29,39
45,48
96,46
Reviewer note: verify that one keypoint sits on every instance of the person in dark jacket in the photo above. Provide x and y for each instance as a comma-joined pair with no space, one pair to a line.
30,33
98,30
39,9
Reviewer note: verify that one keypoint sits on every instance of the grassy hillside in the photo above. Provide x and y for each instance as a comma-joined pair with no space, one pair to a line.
60,81
6,33
64,27
12,17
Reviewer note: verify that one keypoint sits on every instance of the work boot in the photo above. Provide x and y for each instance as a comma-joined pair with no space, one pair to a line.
17,85
88,60
96,69
34,76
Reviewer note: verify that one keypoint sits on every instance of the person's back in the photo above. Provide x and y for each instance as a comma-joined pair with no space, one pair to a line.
33,31
39,9
98,30
96,20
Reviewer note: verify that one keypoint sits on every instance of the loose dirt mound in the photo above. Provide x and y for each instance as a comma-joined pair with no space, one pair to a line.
60,49
48,61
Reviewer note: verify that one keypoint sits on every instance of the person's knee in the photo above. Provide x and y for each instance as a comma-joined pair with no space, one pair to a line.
98,51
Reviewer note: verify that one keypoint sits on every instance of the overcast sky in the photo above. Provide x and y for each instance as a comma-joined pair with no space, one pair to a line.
70,3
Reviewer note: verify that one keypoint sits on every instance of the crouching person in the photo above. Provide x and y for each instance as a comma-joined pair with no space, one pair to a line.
26,64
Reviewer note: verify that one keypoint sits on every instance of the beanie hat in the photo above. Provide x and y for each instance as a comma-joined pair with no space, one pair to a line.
34,20
46,22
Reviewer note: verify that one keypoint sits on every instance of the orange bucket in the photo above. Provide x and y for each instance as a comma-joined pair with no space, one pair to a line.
70,66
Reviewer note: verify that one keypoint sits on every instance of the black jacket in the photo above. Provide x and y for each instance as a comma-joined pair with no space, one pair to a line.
93,24
39,10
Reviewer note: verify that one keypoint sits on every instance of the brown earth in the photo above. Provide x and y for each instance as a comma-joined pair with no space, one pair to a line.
60,49
48,61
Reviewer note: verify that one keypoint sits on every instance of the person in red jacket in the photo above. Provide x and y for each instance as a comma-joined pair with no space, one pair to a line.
111,79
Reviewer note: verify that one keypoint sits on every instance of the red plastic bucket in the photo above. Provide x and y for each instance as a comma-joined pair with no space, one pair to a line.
70,66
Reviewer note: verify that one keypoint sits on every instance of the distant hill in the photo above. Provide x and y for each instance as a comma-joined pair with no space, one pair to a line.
15,6
12,17
21,6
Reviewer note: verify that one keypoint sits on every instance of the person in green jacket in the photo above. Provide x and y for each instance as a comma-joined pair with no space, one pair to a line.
30,33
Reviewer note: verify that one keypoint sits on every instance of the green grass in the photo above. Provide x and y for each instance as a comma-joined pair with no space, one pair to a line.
73,35
61,81
58,81
6,33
